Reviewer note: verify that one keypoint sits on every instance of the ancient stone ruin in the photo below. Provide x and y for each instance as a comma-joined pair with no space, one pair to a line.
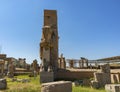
3,84
102,78
112,87
54,68
49,46
11,70
1,69
61,62
59,86
83,63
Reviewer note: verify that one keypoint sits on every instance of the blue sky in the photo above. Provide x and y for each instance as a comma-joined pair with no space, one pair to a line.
87,28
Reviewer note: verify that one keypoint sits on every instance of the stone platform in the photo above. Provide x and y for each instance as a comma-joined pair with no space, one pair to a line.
46,77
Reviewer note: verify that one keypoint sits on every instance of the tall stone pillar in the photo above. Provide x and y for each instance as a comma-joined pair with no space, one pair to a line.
11,70
80,63
1,68
62,63
35,65
59,62
71,64
49,43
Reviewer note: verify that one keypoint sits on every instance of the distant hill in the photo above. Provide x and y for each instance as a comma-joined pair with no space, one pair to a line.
110,58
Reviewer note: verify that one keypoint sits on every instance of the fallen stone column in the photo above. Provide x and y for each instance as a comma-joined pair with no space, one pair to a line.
59,86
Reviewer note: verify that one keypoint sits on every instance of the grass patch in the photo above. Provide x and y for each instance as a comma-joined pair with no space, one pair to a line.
34,86
86,89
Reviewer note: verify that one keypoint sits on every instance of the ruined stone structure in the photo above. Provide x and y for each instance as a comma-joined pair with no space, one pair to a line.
115,77
2,64
21,63
11,70
71,63
112,87
61,62
35,65
34,68
83,63
102,78
1,68
49,41
59,86
49,47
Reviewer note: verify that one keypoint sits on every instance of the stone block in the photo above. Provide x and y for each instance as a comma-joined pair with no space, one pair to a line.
102,78
105,68
59,86
46,77
3,84
112,87
94,84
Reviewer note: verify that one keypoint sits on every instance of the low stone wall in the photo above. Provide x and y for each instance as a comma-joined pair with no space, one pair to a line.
101,78
115,77
112,87
59,86
73,75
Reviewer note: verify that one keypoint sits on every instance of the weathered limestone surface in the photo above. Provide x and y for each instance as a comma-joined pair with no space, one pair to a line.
49,46
83,63
49,41
3,84
112,87
105,68
61,62
11,70
102,78
60,86
71,63
34,65
115,78
46,77
1,68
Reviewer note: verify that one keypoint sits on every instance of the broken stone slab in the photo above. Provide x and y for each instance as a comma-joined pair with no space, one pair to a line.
112,87
3,84
59,86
